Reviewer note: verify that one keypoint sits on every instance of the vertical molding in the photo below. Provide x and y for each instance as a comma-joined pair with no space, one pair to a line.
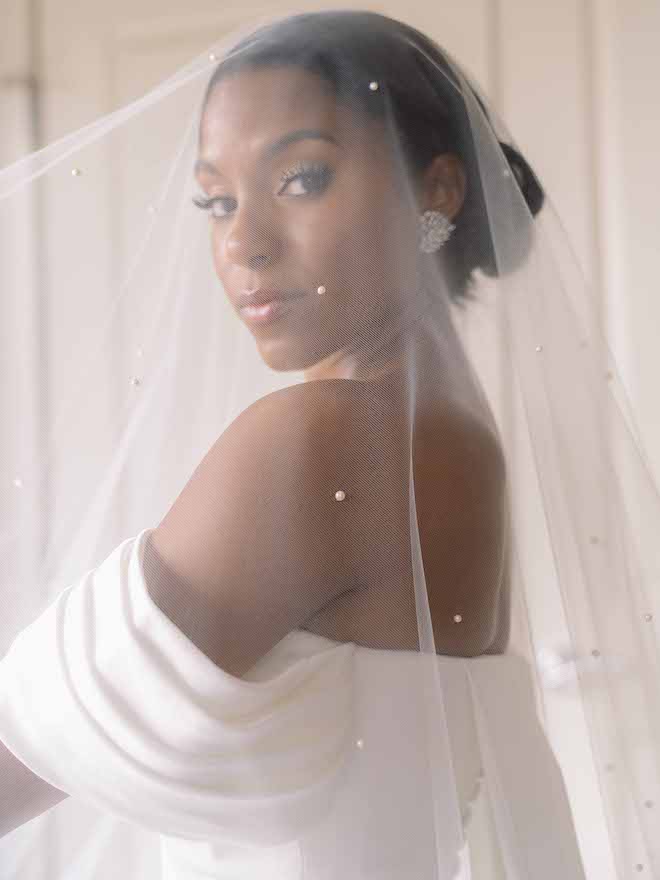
34,56
41,309
24,389
611,210
41,392
593,34
494,48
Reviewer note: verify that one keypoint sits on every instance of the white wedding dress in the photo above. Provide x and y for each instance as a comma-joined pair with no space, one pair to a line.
268,776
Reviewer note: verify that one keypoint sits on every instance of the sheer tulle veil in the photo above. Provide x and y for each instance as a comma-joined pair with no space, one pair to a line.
469,315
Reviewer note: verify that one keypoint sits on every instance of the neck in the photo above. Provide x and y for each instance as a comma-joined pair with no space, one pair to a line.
364,362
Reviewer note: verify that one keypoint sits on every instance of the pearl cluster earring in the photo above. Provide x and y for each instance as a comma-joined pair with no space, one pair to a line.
435,230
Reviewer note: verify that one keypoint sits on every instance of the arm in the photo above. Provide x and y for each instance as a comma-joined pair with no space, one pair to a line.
463,523
256,546
460,501
103,697
224,533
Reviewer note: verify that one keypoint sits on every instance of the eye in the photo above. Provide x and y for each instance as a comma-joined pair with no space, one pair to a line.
316,175
313,175
209,204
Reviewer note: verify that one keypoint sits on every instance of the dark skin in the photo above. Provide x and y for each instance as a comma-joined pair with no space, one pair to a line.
347,424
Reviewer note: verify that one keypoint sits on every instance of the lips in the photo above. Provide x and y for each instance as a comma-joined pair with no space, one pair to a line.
266,305
261,296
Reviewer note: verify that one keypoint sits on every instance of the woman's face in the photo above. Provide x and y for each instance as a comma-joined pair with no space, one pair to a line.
321,208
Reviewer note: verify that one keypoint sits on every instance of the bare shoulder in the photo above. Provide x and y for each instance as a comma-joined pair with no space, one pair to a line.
259,545
317,438
326,399
256,543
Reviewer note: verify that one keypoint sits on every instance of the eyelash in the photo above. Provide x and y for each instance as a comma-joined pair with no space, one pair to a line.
319,172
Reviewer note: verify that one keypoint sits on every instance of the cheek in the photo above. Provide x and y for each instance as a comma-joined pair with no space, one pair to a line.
349,259
345,240
369,254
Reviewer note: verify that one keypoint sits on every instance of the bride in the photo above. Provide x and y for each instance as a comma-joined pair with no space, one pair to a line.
358,344
306,668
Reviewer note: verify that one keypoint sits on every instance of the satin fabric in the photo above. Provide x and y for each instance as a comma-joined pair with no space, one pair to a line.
265,775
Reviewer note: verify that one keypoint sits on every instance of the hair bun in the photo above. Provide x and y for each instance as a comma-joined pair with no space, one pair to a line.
527,180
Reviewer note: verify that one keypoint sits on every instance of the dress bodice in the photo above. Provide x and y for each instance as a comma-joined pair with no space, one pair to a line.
325,760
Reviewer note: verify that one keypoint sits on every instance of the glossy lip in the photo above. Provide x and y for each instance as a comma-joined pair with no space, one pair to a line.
268,312
262,295
278,302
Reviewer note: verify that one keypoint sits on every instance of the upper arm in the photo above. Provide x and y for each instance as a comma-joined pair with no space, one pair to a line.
463,522
460,506
256,544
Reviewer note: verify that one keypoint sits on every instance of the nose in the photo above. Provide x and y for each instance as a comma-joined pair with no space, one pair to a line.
251,241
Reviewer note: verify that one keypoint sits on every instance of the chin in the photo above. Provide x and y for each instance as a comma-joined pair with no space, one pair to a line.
291,355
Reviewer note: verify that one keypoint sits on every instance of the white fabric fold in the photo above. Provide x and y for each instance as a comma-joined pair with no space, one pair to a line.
271,774
103,697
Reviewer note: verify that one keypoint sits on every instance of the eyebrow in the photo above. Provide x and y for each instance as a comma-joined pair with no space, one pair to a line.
277,146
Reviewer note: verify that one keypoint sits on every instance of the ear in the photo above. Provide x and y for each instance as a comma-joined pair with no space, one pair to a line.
445,183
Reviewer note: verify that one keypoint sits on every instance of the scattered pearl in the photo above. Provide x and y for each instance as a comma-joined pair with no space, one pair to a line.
340,495
539,348
135,381
457,618
213,56
373,85
360,743
320,290
18,483
648,617
76,172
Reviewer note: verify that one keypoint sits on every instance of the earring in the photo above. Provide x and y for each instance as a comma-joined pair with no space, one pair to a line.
435,230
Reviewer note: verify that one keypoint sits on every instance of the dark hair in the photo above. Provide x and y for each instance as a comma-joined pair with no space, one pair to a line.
349,48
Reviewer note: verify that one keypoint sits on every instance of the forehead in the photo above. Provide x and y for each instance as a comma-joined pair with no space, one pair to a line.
247,109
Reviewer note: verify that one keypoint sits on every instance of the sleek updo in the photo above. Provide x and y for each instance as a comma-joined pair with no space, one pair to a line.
417,90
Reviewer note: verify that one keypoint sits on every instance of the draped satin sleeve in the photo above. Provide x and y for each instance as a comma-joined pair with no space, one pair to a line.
104,698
